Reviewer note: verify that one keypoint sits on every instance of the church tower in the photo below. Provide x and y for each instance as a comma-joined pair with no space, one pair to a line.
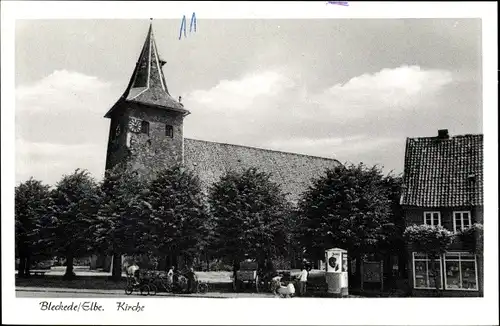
146,131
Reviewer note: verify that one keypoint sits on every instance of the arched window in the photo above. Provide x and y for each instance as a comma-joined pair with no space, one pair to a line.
169,131
145,127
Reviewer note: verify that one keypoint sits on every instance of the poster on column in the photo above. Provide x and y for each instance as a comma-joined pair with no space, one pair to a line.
334,261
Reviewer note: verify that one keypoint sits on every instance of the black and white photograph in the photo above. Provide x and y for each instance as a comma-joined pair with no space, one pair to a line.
165,157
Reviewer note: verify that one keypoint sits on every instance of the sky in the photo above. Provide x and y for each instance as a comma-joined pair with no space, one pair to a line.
349,89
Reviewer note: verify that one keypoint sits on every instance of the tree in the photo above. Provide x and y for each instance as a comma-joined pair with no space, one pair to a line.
394,242
179,221
249,213
73,209
472,238
123,219
347,207
431,240
31,201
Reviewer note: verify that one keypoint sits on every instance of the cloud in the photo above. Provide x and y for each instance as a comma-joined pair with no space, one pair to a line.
64,107
240,94
396,89
360,118
335,146
61,85
59,125
48,161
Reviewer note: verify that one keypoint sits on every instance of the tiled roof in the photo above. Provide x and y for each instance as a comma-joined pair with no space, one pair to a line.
147,84
443,172
293,172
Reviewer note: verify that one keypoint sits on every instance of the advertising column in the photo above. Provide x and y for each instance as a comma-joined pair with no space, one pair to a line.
336,272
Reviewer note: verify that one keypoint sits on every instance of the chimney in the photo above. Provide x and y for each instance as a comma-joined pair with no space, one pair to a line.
443,134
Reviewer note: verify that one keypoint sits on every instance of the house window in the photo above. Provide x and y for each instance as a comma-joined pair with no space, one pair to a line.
145,127
460,271
461,220
424,272
169,131
432,218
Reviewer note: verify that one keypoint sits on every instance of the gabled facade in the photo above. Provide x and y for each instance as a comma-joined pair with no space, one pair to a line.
443,185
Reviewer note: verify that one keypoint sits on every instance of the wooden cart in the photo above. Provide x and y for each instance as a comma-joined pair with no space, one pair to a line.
246,276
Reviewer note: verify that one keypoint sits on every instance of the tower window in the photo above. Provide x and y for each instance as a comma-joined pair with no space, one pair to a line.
145,127
169,131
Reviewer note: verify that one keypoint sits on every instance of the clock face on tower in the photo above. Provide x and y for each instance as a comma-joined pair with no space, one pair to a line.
134,125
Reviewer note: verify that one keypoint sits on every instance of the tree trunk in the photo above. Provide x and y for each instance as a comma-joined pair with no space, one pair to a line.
402,261
116,273
358,276
27,265
435,275
21,268
69,267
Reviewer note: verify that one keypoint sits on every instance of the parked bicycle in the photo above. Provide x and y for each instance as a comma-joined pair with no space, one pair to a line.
141,287
202,287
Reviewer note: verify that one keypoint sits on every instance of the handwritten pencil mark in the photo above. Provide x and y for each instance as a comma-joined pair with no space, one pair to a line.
340,3
193,21
184,24
183,27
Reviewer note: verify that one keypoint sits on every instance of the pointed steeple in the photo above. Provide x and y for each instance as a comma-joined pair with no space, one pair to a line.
147,84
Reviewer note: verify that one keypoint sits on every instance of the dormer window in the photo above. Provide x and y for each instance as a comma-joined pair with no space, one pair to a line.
145,127
169,131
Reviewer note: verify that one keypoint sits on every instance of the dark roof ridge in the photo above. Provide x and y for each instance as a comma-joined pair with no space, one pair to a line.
451,137
268,150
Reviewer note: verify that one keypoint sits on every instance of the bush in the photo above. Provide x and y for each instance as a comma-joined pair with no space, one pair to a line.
428,239
219,265
473,237
144,262
280,263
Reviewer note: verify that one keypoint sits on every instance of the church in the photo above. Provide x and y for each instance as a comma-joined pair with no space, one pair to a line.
146,133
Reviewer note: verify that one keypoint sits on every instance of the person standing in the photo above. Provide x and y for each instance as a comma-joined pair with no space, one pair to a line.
133,272
303,281
191,281
170,276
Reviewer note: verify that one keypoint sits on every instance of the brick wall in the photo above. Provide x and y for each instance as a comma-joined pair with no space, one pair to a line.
143,152
415,215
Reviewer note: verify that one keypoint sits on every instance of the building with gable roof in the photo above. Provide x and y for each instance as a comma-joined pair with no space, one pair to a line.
146,132
443,185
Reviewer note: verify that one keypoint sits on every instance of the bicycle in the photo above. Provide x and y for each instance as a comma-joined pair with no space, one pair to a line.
162,283
132,286
202,287
149,279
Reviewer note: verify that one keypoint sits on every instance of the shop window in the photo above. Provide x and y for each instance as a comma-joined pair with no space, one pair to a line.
424,272
432,218
460,271
461,220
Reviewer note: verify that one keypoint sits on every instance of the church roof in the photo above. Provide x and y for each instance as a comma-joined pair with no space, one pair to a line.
294,172
147,84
